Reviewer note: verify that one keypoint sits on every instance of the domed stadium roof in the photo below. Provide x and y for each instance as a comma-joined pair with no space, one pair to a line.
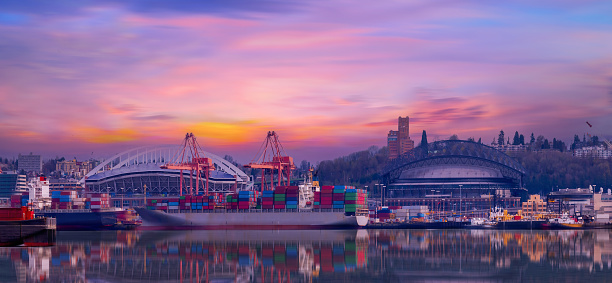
454,161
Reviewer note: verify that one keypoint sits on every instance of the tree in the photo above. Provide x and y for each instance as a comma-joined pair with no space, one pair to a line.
546,144
522,139
471,139
516,140
532,139
454,137
539,142
480,140
500,139
304,165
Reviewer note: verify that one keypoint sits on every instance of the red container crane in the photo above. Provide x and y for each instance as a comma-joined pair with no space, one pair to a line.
272,156
180,161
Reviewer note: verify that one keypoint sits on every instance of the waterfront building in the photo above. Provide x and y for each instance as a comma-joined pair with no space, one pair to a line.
399,141
534,205
29,163
12,183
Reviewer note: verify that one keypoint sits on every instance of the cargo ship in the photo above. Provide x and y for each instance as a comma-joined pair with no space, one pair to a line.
286,207
90,213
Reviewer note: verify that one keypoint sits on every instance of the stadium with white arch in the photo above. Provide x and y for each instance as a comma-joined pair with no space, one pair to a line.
136,170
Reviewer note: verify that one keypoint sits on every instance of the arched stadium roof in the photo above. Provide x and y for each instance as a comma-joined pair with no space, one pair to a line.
149,158
454,158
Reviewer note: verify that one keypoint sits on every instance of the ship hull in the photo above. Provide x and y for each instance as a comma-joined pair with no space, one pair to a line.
223,220
21,232
67,220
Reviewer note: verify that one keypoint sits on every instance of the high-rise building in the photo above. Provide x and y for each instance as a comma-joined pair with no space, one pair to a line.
29,163
399,141
11,184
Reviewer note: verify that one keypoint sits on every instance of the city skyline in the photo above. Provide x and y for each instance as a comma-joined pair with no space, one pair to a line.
93,79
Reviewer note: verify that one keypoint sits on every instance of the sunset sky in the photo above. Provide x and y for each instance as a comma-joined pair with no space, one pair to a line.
93,78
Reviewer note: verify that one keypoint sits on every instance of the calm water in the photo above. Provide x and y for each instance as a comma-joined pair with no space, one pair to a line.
315,256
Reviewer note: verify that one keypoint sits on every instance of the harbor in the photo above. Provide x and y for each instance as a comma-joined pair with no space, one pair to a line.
314,256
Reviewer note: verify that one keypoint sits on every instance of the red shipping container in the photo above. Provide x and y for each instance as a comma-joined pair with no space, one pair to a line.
326,206
338,197
280,190
328,189
279,206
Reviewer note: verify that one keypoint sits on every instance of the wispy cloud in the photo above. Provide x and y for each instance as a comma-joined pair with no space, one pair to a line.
323,74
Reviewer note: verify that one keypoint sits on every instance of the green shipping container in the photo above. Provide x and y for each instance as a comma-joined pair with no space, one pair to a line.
350,246
182,197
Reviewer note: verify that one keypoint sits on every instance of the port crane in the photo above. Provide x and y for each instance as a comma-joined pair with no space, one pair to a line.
271,157
188,158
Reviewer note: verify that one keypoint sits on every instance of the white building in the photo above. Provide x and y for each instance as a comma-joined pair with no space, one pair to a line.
593,151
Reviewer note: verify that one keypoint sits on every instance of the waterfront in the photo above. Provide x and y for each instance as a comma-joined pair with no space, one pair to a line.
319,256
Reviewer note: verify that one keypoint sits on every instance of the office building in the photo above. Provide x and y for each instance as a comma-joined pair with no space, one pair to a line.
399,141
29,163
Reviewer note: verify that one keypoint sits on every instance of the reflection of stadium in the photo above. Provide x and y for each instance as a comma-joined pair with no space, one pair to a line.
128,172
445,172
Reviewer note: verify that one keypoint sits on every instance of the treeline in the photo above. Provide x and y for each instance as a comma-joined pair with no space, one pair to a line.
359,169
552,170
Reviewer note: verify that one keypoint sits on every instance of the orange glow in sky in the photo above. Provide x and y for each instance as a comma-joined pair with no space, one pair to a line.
329,77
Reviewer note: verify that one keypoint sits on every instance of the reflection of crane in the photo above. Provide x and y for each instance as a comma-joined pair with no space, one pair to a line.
271,156
188,158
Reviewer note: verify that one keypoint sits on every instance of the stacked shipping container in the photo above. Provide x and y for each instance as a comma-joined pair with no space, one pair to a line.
355,199
292,197
338,197
232,201
323,199
245,198
280,197
267,200
97,201
20,200
62,199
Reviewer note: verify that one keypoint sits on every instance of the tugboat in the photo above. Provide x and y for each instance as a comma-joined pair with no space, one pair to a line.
564,222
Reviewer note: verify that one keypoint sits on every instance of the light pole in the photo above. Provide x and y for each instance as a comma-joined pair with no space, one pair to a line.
383,194
460,198
378,187
122,190
145,195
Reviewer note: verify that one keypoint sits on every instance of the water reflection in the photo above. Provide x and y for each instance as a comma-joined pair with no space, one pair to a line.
306,256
